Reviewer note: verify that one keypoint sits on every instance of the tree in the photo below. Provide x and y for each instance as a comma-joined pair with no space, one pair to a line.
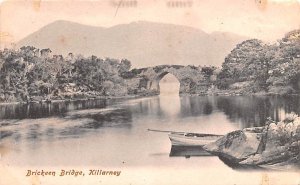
124,66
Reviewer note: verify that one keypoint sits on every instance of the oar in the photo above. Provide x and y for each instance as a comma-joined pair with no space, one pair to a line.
168,131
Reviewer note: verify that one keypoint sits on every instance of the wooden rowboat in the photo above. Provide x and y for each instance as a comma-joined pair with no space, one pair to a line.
189,139
192,139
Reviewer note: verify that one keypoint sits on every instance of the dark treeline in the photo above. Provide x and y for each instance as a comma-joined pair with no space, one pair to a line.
254,66
30,74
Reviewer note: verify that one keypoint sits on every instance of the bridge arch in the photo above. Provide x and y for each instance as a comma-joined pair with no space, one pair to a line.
154,83
189,77
172,86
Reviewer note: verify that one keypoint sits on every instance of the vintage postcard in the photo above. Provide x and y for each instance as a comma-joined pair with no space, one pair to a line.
148,92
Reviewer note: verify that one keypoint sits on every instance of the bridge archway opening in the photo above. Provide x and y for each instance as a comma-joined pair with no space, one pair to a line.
168,84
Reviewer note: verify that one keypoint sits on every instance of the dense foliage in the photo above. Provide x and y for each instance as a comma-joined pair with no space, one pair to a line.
254,66
32,74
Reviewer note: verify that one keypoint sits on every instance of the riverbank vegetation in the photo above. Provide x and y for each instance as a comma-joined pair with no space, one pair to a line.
252,67
256,67
30,74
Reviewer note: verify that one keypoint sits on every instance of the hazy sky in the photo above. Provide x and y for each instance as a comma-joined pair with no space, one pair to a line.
267,20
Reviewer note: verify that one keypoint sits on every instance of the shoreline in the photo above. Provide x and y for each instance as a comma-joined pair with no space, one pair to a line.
274,145
73,100
141,96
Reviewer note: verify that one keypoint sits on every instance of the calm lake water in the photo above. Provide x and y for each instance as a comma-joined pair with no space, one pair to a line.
113,133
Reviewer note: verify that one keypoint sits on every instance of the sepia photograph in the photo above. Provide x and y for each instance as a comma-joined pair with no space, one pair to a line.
150,92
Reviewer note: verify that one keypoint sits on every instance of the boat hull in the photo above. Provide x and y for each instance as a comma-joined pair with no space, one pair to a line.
183,140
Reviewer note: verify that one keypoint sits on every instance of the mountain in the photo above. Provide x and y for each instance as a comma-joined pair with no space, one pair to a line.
143,43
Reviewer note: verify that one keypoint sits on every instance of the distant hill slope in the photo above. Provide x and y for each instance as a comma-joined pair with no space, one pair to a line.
143,43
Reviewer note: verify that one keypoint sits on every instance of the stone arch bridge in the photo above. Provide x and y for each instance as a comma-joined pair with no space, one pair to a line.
193,80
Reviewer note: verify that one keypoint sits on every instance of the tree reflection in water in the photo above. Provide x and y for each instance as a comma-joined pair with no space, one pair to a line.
205,113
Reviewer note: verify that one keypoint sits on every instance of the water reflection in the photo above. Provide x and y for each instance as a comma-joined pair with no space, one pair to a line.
76,118
197,106
253,111
170,105
41,110
117,129
188,151
241,167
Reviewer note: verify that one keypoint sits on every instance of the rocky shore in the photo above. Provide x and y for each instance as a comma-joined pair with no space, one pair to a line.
273,146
